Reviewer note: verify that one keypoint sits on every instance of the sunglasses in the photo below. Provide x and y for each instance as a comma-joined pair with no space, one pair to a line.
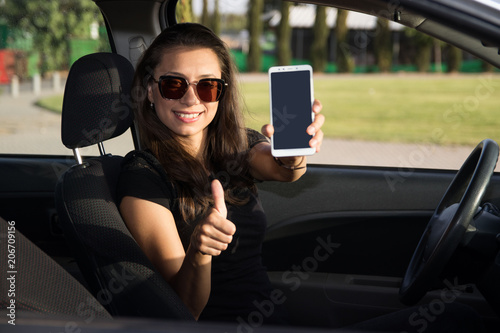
208,90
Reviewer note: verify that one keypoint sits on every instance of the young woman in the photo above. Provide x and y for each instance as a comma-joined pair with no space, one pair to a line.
189,198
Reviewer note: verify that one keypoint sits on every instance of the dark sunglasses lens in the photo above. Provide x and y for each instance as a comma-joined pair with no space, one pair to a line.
173,88
209,90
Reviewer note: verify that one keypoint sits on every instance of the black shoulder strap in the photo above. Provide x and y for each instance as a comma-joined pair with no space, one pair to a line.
145,158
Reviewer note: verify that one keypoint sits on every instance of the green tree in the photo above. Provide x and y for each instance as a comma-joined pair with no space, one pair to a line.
216,19
205,15
437,50
211,20
423,49
52,23
344,59
235,23
283,49
487,67
383,45
319,49
453,58
184,11
255,29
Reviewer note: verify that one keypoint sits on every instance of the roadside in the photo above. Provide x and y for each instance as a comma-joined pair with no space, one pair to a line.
28,129
383,154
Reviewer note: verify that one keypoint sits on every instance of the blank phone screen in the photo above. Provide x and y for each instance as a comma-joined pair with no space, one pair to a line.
291,109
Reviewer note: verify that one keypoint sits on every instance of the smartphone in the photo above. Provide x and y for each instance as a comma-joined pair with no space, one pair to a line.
291,99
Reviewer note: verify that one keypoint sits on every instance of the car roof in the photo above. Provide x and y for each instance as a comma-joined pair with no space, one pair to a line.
472,25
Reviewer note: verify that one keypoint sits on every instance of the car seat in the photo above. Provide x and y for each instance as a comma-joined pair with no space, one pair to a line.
96,108
37,286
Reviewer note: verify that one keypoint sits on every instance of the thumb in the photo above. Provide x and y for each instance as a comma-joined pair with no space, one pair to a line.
267,130
218,195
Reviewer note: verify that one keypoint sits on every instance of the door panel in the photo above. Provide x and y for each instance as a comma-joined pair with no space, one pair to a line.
375,215
335,300
339,240
27,187
381,244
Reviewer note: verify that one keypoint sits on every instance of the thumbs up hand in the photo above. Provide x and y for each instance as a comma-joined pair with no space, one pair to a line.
218,195
213,234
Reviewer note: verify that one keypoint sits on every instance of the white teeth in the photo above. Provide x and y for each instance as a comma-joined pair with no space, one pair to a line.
187,115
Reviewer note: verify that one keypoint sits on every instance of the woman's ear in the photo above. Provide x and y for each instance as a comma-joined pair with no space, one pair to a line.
150,94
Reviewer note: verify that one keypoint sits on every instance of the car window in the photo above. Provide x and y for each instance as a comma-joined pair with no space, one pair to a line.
35,56
392,96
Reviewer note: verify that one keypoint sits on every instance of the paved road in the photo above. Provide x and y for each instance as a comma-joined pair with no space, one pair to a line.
27,128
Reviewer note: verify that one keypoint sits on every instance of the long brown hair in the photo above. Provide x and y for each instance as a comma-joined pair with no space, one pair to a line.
225,151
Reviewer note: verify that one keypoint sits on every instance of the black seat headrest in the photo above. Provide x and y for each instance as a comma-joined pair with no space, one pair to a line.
97,103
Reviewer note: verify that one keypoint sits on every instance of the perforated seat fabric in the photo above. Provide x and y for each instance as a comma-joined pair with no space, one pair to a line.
97,103
119,274
41,286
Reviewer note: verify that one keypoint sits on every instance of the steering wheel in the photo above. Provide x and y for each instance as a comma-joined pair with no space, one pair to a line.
449,222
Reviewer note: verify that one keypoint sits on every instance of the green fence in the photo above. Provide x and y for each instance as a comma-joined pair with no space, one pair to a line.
468,66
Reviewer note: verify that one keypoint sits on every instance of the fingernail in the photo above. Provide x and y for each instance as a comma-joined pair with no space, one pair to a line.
313,142
311,130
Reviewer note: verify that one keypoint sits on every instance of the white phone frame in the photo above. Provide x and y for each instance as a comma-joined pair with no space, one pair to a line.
290,151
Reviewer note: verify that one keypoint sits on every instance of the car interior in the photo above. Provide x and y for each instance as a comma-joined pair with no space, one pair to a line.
344,243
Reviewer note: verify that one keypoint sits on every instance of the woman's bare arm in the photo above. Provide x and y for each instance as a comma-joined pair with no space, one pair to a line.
188,272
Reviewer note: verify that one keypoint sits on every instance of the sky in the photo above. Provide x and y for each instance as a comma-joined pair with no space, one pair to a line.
492,3
226,6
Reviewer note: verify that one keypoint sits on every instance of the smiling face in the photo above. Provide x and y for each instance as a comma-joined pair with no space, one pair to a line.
189,116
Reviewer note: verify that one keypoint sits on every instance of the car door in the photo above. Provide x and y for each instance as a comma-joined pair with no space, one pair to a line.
340,238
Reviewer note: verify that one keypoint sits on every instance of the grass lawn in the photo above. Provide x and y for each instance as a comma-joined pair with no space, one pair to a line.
52,103
444,109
